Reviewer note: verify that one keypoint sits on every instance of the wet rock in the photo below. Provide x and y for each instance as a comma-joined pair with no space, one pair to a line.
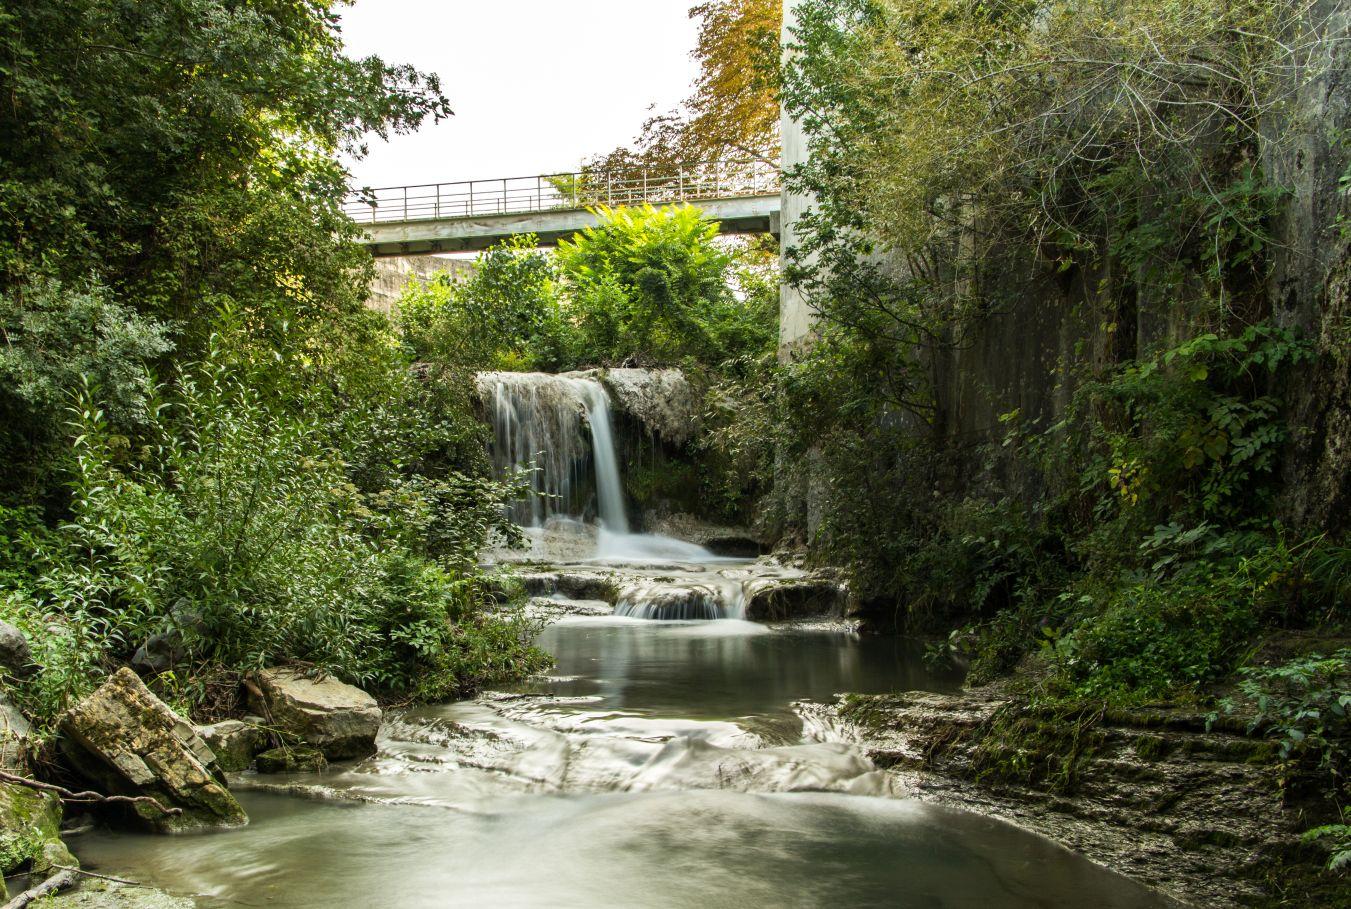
1148,792
781,600
30,830
338,719
15,657
97,894
733,542
551,609
126,741
578,586
538,583
14,736
296,759
233,742
575,585
665,601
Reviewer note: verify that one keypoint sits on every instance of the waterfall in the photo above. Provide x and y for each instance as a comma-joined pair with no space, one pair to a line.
609,491
538,427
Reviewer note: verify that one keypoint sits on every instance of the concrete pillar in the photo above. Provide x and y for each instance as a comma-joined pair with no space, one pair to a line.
796,318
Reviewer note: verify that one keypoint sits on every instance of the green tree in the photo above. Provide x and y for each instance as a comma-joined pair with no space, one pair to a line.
181,155
505,315
654,286
733,114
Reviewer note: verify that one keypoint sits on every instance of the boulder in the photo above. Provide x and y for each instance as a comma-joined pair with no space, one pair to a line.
338,719
126,741
166,649
296,759
781,600
15,657
233,742
662,401
14,735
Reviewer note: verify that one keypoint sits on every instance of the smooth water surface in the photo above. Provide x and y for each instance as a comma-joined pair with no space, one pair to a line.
659,766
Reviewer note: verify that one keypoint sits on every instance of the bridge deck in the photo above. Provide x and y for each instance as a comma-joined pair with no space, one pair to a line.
453,217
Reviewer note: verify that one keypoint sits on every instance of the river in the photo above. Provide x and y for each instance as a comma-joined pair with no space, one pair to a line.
659,765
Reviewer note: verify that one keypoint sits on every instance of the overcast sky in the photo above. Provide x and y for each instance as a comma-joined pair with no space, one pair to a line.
536,85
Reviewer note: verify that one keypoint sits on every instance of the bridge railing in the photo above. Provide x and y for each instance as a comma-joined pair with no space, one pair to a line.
549,192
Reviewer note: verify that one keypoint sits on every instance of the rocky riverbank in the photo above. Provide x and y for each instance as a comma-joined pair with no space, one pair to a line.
1189,807
138,764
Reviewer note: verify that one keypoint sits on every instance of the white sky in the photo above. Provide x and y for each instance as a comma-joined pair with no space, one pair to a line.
536,85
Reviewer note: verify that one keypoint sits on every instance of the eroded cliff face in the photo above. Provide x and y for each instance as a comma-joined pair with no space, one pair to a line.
1158,794
1310,284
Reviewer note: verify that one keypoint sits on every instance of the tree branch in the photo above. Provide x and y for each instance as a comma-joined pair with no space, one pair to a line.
69,796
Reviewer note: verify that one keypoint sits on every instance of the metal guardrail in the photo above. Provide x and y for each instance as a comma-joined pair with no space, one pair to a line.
550,192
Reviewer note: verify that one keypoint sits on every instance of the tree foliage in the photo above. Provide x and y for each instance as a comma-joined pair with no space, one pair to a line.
733,114
214,454
645,286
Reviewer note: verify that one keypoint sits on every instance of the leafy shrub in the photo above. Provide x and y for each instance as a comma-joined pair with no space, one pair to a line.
238,537
505,315
1305,704
655,286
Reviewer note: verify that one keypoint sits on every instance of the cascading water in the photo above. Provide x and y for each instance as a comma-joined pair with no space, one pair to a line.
558,431
538,429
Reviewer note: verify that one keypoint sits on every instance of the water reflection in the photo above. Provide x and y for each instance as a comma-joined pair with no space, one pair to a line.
727,669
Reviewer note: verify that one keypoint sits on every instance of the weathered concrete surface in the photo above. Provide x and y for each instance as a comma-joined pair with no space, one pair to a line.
1148,793
796,318
746,214
1310,282
126,741
394,273
338,719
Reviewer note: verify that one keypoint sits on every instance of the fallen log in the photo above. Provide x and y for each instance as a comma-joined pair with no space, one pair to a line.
54,884
68,795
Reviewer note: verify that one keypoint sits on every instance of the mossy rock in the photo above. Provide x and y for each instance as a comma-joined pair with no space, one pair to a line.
30,830
126,741
297,759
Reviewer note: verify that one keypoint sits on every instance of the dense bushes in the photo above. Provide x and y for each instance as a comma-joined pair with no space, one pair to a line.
235,538
645,287
1103,159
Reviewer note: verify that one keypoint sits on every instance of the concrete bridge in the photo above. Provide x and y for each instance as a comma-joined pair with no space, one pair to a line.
743,197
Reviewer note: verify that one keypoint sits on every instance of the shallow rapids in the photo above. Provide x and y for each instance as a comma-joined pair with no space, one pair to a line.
660,765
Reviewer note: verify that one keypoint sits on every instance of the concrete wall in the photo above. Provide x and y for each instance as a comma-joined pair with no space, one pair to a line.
795,316
392,274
